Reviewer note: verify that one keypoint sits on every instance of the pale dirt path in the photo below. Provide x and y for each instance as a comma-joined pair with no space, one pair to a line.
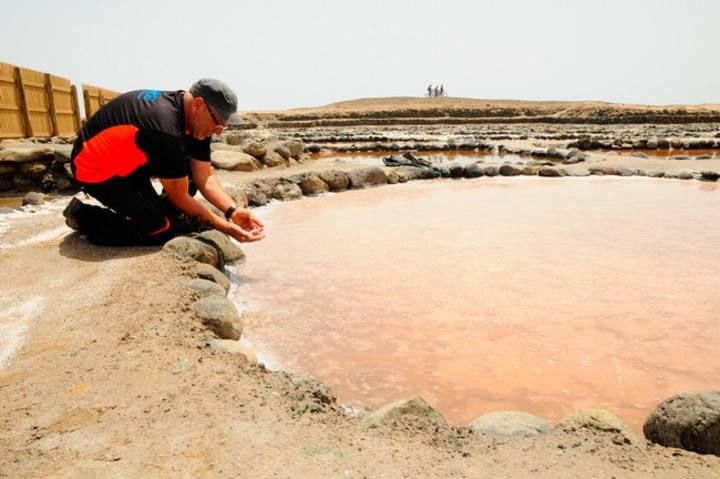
112,380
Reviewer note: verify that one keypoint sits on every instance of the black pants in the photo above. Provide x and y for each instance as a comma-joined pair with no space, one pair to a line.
135,214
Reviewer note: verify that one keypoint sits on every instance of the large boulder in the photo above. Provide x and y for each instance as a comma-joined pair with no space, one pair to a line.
294,147
414,407
510,170
282,150
598,420
312,184
62,153
34,169
475,170
33,198
336,180
688,421
205,288
23,155
255,196
365,177
233,160
273,159
510,423
549,172
220,316
205,271
230,250
187,248
256,149
287,191
603,170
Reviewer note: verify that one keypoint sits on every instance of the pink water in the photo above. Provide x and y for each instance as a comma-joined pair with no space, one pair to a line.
530,294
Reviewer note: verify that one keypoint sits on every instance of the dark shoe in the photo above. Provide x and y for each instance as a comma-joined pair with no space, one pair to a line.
72,213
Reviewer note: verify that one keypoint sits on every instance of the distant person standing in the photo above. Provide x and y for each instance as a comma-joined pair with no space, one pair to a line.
442,90
429,90
163,134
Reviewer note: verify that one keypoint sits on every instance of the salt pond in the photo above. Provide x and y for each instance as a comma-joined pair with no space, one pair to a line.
532,294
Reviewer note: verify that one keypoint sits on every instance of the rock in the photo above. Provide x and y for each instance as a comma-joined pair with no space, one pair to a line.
231,252
24,155
282,150
599,420
603,170
578,172
234,138
33,198
638,154
689,421
393,412
238,195
549,172
313,148
510,423
23,182
412,173
256,149
625,172
679,175
62,153
652,145
704,157
220,316
709,175
255,197
312,184
205,271
530,170
8,168
474,170
365,177
311,395
187,248
554,153
233,160
273,159
336,180
679,157
294,147
456,170
656,174
392,177
287,192
510,170
34,169
233,347
490,171
205,288
265,186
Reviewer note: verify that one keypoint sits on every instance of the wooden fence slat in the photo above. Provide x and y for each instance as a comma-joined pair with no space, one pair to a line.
23,103
51,104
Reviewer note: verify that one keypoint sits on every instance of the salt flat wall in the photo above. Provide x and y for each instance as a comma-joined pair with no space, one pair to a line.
39,104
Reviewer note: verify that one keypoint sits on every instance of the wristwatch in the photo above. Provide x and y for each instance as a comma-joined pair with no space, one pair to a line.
229,212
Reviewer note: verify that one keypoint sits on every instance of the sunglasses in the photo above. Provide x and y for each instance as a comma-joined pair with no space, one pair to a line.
219,127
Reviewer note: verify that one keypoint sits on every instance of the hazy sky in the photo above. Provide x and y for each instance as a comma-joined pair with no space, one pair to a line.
284,54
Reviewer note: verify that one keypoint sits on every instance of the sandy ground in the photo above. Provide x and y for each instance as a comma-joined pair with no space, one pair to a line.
106,374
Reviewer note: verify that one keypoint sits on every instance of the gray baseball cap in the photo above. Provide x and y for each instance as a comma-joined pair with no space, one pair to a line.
219,96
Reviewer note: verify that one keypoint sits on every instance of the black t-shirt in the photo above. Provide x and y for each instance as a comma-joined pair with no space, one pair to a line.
140,130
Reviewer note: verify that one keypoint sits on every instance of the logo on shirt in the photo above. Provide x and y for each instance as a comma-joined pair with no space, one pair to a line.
149,95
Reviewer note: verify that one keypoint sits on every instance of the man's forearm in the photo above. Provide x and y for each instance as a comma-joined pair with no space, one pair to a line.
213,191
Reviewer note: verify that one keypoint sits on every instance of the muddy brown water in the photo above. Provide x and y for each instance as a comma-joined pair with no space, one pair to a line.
530,294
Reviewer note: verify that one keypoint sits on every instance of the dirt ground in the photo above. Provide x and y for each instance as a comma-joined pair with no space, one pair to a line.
106,373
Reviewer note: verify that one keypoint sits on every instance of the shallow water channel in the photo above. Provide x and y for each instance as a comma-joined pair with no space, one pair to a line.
532,294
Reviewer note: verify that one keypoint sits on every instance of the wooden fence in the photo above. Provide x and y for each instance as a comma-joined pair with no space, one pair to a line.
95,97
38,104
